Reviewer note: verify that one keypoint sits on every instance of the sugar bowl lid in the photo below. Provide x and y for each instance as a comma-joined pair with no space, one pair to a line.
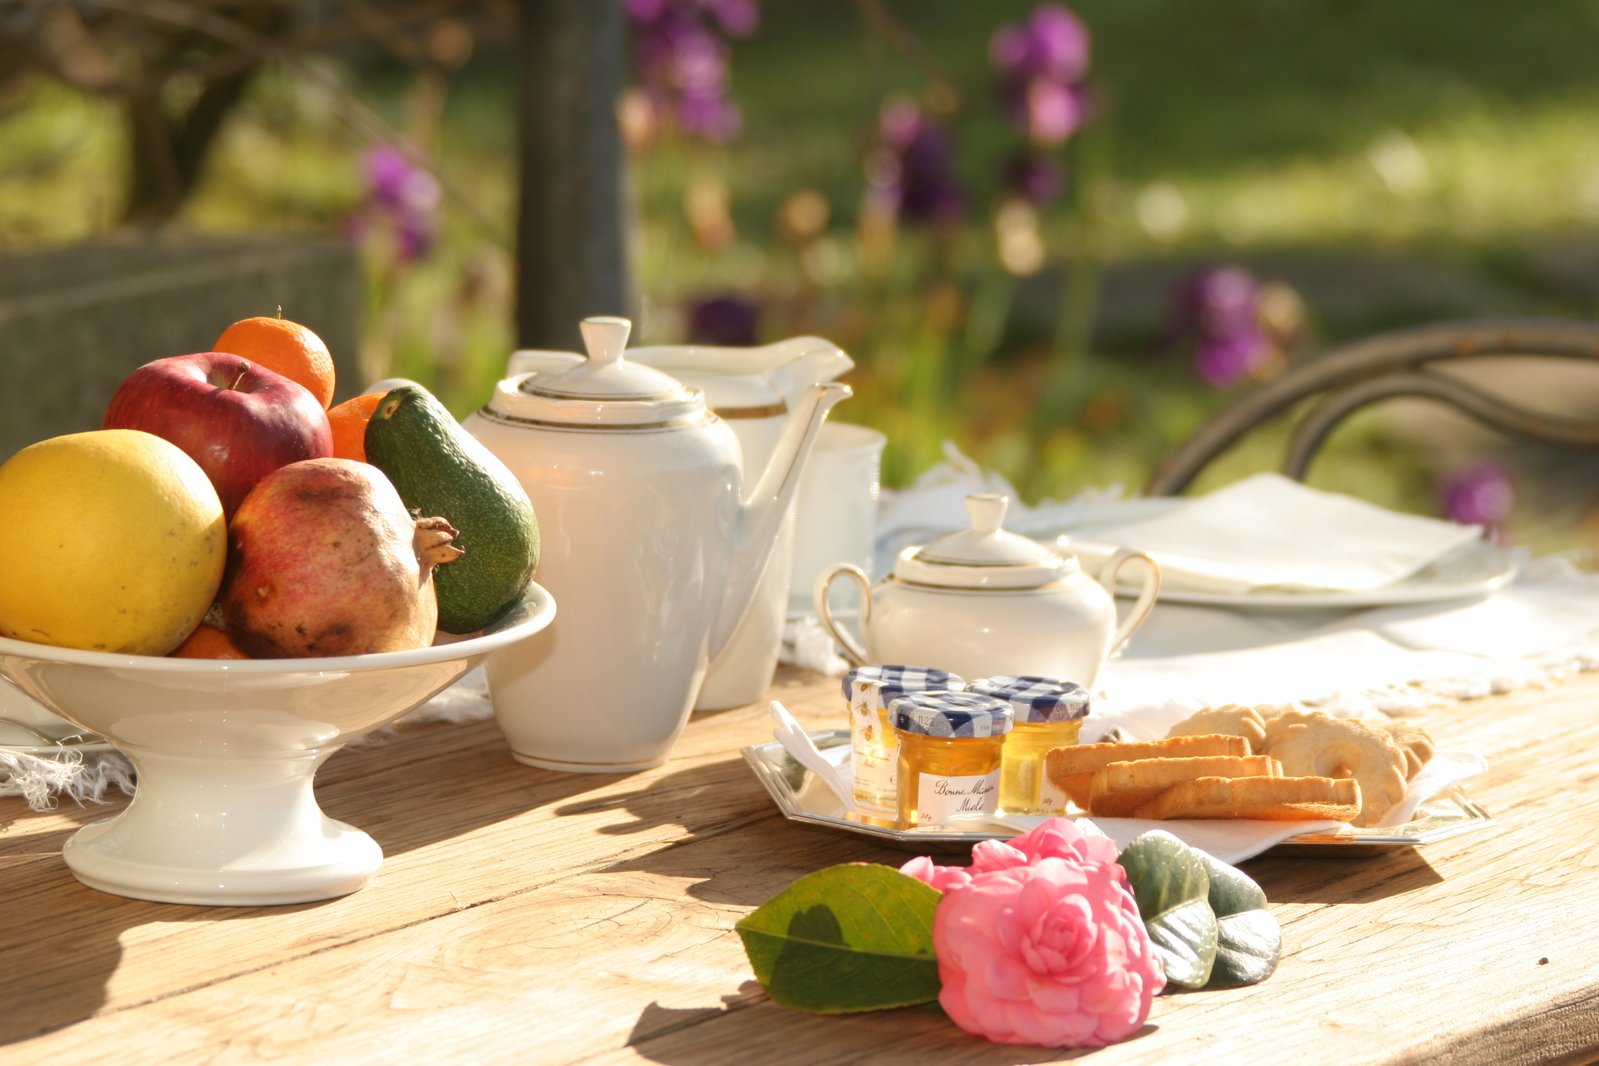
606,389
951,714
984,556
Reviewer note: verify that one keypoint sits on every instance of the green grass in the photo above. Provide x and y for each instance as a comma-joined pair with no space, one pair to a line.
1456,129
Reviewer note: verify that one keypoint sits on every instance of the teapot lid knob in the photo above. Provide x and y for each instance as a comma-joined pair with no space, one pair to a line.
605,337
986,512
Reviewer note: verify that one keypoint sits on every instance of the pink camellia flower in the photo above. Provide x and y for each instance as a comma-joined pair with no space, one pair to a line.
1058,838
942,878
1051,954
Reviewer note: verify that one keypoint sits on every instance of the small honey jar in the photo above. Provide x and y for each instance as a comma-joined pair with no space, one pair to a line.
1048,714
874,747
950,745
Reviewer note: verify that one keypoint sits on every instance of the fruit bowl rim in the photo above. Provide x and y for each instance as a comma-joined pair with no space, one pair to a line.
532,614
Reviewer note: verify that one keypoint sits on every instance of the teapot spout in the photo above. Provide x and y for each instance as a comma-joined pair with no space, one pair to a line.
763,507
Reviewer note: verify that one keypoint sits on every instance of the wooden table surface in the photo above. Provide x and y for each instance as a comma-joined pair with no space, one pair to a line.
528,916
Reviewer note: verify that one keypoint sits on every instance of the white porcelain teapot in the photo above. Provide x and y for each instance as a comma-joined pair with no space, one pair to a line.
986,601
752,390
653,544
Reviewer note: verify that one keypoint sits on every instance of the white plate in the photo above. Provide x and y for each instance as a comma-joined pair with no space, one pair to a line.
802,798
1473,569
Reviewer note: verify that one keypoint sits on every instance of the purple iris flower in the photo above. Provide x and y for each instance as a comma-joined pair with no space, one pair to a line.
913,167
402,196
1037,178
1042,63
1216,315
1051,111
728,320
738,18
387,171
1229,359
1218,300
682,62
1052,43
1480,494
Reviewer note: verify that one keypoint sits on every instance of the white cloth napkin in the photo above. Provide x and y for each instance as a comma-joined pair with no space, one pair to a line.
1269,531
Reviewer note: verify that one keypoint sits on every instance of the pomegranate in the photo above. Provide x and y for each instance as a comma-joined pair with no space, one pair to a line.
324,559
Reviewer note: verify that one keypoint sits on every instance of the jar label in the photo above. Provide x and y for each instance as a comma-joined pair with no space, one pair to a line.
938,796
1051,800
876,779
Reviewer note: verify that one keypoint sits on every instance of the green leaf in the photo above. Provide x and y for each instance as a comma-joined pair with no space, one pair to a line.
1172,887
1248,945
1231,890
1185,938
1249,940
848,938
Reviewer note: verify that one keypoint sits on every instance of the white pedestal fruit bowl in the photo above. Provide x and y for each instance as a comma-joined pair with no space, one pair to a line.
226,752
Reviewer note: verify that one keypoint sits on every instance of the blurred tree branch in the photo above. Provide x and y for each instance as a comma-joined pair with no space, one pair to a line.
182,67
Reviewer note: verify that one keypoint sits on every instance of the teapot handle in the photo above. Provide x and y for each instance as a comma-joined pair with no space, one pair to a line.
852,648
1146,595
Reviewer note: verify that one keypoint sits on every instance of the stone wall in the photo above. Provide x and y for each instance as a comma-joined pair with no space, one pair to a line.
75,320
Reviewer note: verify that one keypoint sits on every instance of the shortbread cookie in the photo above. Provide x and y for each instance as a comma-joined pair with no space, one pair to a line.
1319,745
1416,744
1277,799
1231,719
1070,768
1114,791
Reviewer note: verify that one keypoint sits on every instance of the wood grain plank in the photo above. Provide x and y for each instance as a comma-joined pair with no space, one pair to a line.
590,920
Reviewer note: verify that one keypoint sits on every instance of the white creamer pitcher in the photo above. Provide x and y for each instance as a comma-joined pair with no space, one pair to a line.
654,544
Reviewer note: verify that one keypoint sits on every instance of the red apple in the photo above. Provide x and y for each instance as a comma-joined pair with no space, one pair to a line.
239,421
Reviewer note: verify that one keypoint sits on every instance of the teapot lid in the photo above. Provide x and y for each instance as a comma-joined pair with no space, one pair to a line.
984,556
606,389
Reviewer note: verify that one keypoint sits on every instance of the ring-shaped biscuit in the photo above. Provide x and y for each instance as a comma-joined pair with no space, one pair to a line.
1323,746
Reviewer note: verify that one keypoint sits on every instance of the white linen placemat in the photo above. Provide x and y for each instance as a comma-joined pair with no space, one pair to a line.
1270,532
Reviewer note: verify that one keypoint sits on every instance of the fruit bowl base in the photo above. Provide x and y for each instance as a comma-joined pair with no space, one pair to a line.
246,832
352,858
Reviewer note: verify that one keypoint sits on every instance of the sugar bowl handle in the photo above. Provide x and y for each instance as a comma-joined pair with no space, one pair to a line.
1146,595
852,648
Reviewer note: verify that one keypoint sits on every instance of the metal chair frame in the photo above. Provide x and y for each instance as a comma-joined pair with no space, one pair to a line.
1387,366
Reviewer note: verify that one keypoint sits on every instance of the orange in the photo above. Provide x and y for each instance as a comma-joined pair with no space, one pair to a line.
208,642
348,421
284,346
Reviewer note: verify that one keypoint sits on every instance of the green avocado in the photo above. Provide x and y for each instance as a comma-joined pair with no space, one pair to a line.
441,469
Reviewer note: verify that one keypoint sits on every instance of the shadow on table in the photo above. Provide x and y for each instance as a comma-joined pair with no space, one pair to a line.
687,1037
437,781
739,849
1293,879
61,941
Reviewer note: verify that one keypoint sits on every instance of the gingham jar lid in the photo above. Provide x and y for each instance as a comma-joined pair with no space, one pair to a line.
895,681
951,714
985,556
1036,700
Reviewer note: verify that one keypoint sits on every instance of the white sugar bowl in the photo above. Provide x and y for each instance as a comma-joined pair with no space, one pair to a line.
987,601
